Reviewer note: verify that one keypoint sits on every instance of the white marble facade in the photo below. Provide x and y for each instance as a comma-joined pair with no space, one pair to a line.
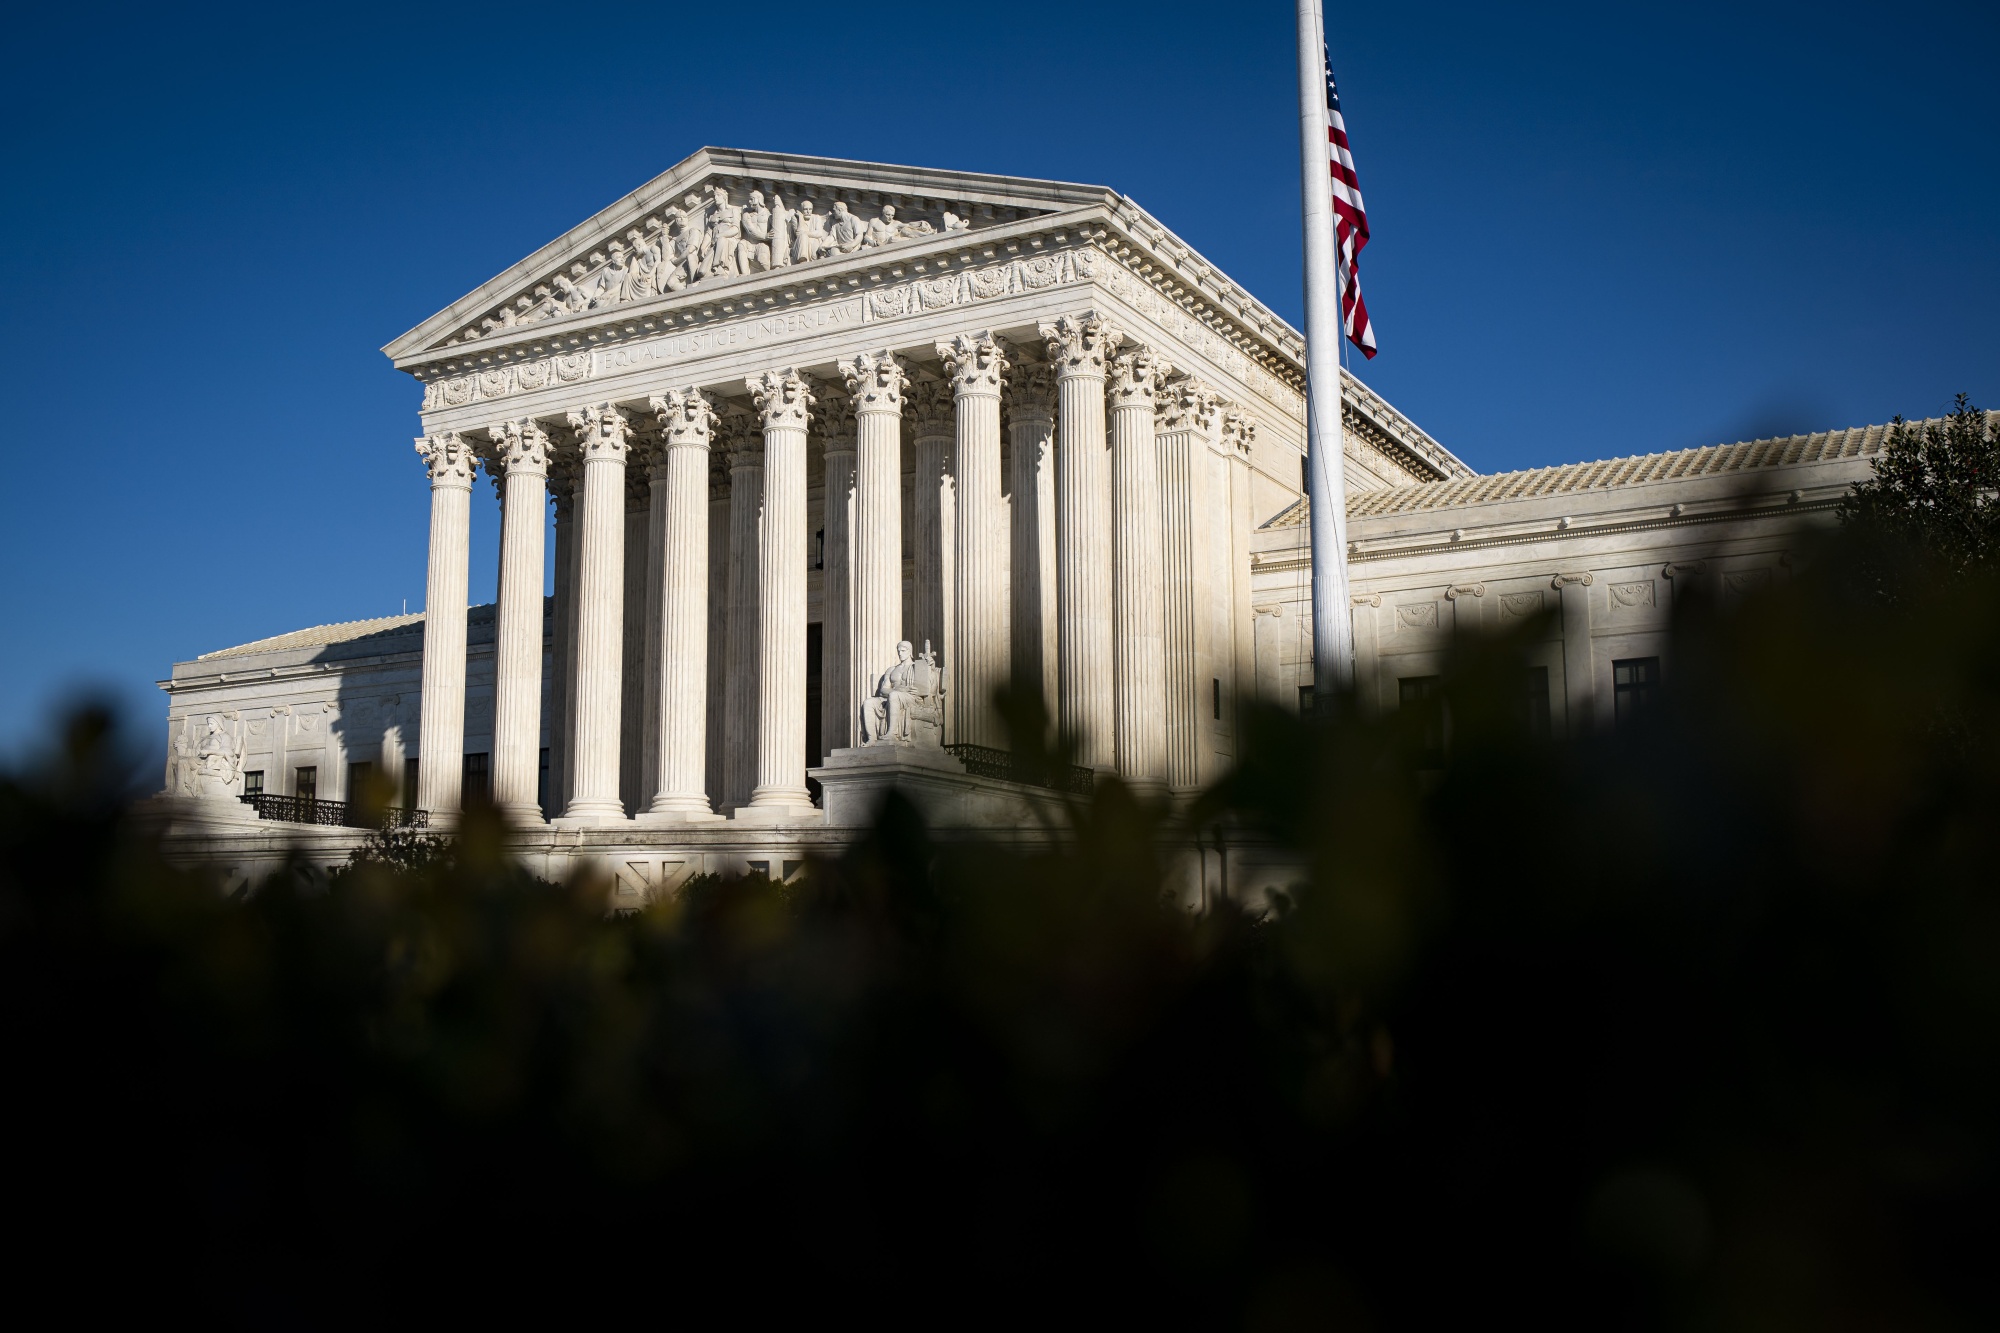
791,412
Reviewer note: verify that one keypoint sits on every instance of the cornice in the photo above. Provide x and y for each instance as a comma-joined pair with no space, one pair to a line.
1275,563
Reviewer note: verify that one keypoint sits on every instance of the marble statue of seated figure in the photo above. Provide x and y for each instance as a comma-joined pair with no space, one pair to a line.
907,704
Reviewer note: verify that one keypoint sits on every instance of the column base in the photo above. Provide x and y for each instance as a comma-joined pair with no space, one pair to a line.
523,816
779,806
690,813
592,814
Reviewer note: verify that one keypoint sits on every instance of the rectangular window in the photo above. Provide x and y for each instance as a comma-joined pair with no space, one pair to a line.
1305,476
542,780
1422,699
1215,694
410,782
1635,692
305,783
359,775
819,549
1305,700
253,782
477,779
1533,708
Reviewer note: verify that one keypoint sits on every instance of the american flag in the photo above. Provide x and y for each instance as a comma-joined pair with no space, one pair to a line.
1350,222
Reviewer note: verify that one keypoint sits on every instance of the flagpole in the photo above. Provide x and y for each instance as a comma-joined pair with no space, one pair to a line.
1326,483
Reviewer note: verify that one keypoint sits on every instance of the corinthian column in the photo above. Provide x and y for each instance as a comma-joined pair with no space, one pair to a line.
563,469
680,722
522,451
1140,699
1187,416
977,363
1031,424
835,422
746,527
441,723
784,403
931,545
877,381
603,438
1078,345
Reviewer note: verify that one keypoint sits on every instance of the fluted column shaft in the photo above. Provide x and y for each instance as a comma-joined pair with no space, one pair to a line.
1187,417
562,693
783,401
603,436
653,606
1138,645
976,363
740,699
680,718
878,383
1032,577
523,455
716,777
441,723
932,517
836,719
1077,346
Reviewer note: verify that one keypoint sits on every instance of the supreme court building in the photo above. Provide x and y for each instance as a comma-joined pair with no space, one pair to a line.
794,413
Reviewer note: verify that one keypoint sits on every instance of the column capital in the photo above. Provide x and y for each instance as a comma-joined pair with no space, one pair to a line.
975,362
877,381
520,446
1239,431
783,398
686,419
1078,344
1187,404
603,432
834,423
1136,378
1029,390
931,408
448,459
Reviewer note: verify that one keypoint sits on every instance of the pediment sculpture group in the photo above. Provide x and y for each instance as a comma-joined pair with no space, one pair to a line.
713,237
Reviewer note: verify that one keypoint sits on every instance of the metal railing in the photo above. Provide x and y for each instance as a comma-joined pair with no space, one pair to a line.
339,814
983,761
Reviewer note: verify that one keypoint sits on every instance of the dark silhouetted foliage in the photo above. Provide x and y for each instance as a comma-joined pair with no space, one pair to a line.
1696,1030
1930,510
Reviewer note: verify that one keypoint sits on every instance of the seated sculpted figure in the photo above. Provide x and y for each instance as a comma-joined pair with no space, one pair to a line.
907,704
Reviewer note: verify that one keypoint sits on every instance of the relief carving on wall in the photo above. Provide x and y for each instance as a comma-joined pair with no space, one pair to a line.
1514,605
1419,616
1632,596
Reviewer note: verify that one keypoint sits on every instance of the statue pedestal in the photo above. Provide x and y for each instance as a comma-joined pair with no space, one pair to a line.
855,781
192,813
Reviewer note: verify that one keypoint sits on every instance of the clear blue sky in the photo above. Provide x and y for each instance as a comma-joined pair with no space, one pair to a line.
1598,230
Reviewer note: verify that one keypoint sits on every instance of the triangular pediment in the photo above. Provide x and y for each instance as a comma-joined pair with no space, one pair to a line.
725,214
